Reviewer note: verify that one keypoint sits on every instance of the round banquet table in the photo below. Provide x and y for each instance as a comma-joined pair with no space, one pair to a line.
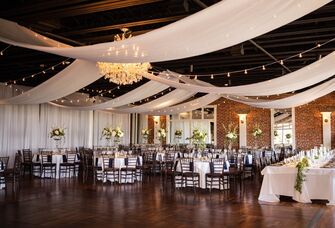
57,159
203,167
119,162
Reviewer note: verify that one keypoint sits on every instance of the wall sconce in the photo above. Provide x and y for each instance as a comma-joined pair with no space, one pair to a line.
326,116
156,119
242,118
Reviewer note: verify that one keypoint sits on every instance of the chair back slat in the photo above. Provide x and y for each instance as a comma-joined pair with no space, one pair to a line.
186,164
27,155
4,163
132,162
217,165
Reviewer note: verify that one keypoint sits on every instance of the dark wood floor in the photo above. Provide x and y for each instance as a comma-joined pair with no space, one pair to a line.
70,203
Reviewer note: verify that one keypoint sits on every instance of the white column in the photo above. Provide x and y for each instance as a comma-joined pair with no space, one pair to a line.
294,140
272,113
90,130
168,138
326,129
243,129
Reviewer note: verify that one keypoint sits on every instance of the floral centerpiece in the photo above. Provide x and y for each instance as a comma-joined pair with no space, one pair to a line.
231,134
161,134
198,138
57,133
145,134
288,136
117,133
178,133
107,133
257,133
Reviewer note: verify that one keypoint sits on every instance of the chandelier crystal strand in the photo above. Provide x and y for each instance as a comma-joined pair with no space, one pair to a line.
123,73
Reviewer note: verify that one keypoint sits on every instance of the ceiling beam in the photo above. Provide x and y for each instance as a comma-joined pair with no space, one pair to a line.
124,25
82,9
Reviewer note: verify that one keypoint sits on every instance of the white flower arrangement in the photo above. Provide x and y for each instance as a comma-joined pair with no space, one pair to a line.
117,132
145,132
57,133
231,132
108,133
178,133
161,133
257,131
198,138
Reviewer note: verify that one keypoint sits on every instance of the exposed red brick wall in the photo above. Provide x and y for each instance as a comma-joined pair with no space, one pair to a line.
162,120
227,112
151,128
308,122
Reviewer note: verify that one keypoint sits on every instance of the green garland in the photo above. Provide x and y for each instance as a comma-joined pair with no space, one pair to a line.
302,165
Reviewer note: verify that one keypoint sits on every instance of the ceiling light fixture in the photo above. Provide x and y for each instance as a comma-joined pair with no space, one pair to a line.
123,73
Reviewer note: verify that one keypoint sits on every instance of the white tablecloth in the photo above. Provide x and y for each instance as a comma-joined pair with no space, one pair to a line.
319,184
56,158
202,167
118,163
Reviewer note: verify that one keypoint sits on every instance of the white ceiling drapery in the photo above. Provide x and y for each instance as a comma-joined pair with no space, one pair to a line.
222,25
74,77
167,100
302,78
291,101
148,89
187,106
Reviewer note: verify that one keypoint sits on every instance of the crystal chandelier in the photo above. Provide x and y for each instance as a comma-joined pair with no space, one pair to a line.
123,73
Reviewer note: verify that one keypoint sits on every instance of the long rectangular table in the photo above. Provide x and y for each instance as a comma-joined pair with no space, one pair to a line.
319,184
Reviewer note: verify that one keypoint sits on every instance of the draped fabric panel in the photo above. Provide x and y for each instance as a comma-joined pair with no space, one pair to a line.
148,89
108,119
28,126
291,101
79,74
186,106
187,127
169,99
19,128
302,78
75,122
222,25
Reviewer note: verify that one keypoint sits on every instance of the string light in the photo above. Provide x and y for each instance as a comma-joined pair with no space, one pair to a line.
23,79
212,76
264,66
2,52
245,72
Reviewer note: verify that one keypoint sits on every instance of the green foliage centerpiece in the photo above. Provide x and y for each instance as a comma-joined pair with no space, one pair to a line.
57,134
257,133
161,135
198,138
301,166
145,134
231,134
177,135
